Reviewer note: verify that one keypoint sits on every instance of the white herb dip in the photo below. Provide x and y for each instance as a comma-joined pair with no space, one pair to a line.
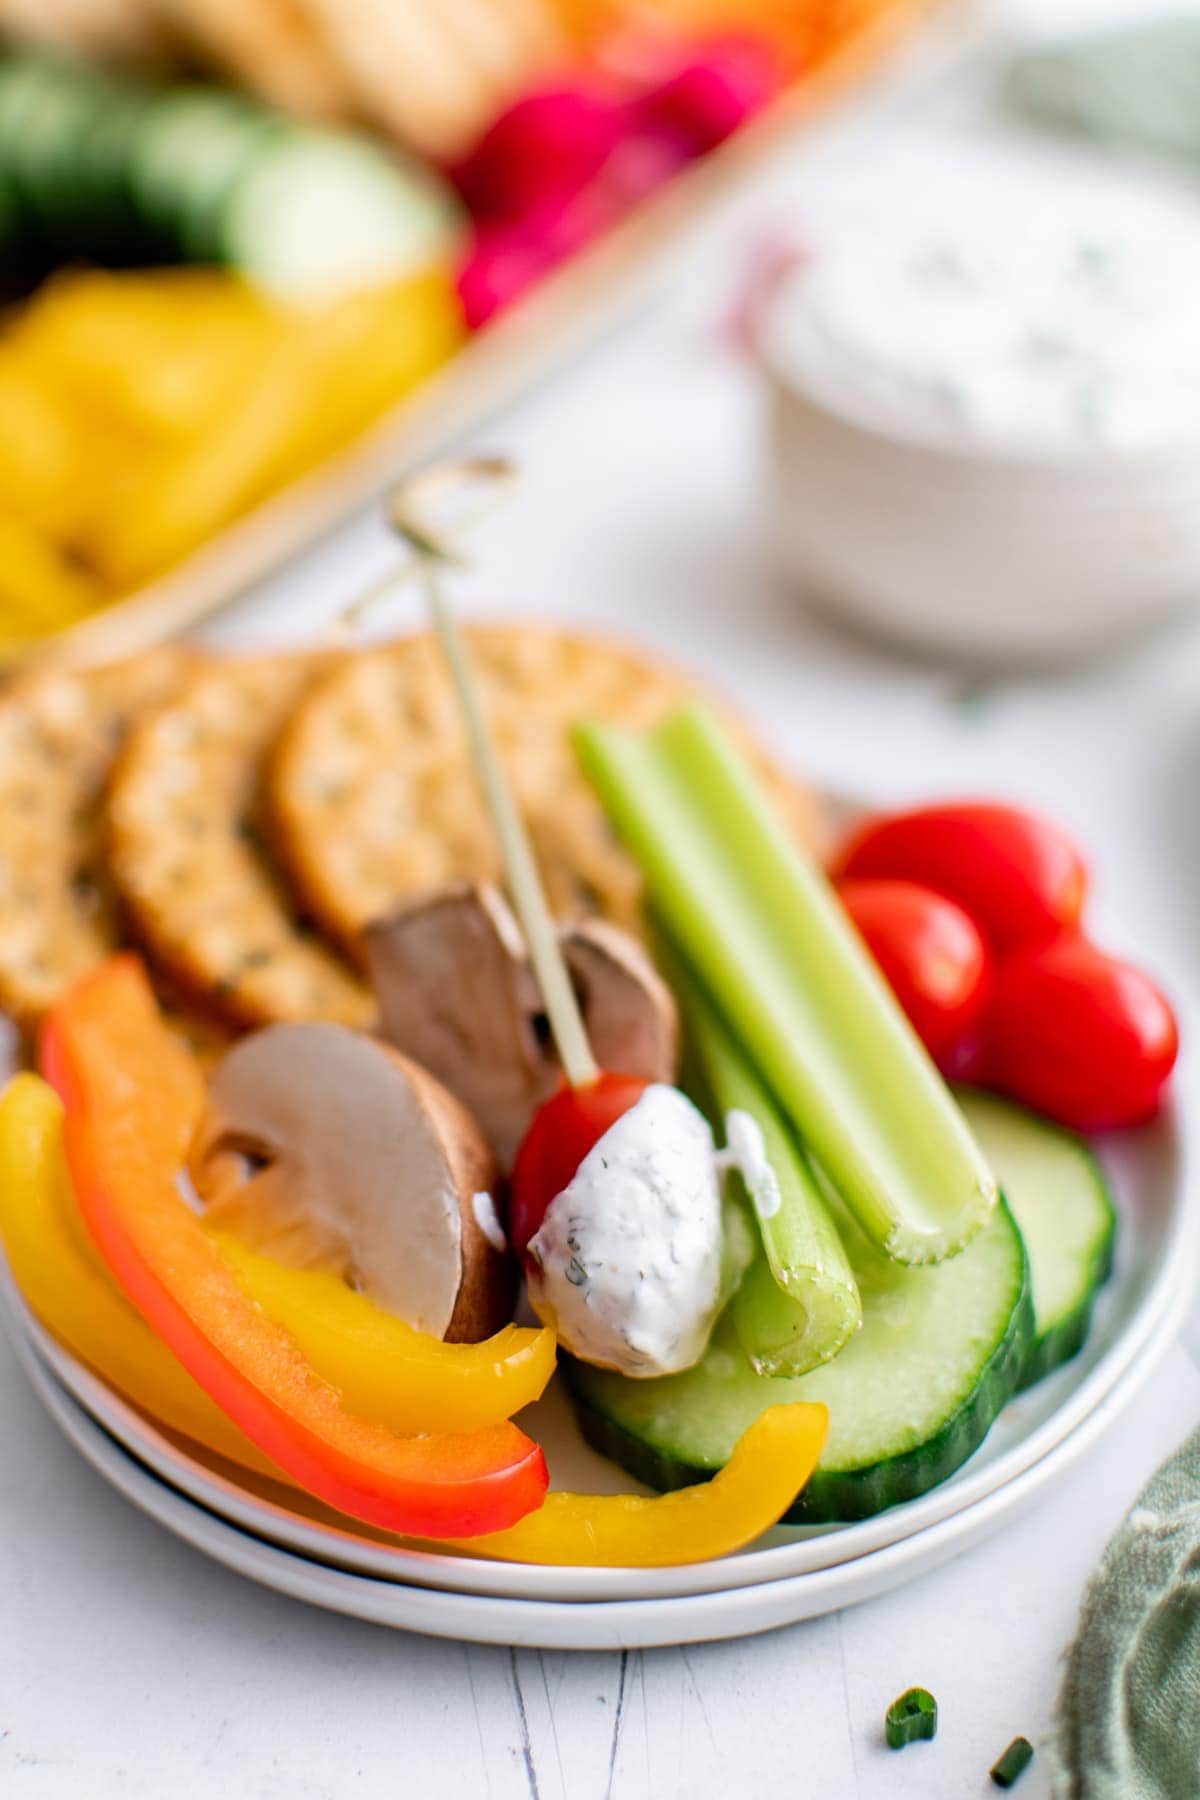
746,1151
998,309
626,1265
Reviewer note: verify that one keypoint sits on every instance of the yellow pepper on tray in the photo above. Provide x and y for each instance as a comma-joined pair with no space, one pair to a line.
329,373
156,355
141,411
41,589
41,450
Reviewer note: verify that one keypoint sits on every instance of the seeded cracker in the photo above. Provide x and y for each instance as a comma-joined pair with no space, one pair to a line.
59,732
371,799
199,887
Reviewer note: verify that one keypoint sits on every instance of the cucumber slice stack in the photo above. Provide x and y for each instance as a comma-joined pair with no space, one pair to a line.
107,169
941,1350
911,1396
1060,1200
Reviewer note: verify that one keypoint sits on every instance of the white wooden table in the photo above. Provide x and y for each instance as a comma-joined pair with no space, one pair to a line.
130,1667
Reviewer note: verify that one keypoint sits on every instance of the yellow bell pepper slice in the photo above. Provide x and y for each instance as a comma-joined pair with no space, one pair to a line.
386,1370
771,1463
62,1280
367,350
332,373
40,450
40,589
160,353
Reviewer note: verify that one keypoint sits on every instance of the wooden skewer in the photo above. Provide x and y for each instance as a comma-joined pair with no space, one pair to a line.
432,555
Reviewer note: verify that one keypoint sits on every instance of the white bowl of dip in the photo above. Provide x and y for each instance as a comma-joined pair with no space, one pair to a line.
985,415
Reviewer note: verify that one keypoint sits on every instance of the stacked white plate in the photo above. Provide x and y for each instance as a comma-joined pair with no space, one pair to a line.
789,1574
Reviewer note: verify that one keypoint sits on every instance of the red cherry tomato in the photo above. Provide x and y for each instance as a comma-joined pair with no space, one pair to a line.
1020,878
933,956
1079,1036
559,1137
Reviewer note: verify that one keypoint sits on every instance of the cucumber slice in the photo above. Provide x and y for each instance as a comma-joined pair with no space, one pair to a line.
118,170
21,85
60,107
113,223
318,209
196,144
1061,1202
911,1396
64,145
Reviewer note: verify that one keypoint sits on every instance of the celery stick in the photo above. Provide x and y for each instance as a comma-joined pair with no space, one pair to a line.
797,1303
764,931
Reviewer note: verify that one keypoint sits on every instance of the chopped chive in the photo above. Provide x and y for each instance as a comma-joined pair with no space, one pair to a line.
1009,1768
912,1716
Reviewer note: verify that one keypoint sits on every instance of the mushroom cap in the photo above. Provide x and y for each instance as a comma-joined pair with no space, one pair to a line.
325,1146
457,992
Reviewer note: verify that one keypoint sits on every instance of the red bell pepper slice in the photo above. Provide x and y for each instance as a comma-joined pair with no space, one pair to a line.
132,1094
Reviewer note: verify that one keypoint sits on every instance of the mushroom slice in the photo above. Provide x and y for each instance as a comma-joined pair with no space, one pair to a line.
631,1016
325,1147
457,993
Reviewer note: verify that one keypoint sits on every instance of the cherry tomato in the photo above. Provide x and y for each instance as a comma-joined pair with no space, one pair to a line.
931,953
1079,1036
559,1137
1020,878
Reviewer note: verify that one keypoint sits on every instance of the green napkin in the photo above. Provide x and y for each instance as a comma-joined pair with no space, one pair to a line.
1127,1724
1138,86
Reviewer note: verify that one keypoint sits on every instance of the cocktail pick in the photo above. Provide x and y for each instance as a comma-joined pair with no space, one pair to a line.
435,551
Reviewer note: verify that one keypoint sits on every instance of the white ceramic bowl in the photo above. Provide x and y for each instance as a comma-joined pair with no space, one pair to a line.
977,553
973,521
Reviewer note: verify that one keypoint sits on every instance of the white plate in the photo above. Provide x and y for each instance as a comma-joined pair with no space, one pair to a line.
614,1624
1040,1434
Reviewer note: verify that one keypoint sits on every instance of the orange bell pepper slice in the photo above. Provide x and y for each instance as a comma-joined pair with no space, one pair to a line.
61,1277
131,1094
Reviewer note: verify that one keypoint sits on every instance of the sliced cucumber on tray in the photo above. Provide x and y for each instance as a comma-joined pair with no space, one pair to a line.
191,150
1061,1202
911,1396
350,222
110,169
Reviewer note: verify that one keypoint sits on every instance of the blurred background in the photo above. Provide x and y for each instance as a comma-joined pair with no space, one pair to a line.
260,255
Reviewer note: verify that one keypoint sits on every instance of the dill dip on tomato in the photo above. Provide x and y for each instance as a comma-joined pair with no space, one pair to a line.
626,1265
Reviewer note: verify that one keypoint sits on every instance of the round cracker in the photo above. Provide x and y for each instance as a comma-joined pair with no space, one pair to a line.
59,733
199,887
371,797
